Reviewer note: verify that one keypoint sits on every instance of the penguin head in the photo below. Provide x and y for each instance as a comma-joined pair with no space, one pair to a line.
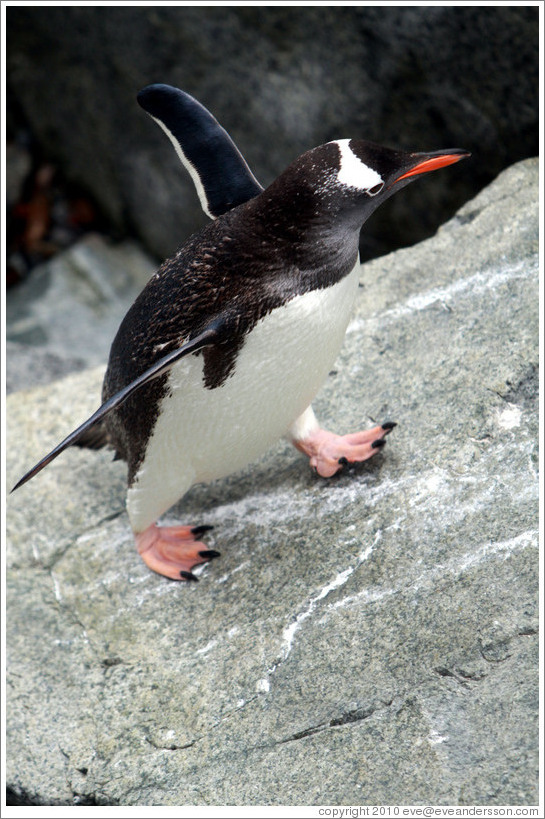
344,181
368,171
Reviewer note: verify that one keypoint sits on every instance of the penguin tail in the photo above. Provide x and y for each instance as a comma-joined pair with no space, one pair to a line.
95,437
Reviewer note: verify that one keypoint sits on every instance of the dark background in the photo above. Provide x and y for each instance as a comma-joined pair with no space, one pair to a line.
280,80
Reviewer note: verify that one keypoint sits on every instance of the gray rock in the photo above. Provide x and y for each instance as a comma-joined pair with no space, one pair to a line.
18,165
369,639
281,80
65,315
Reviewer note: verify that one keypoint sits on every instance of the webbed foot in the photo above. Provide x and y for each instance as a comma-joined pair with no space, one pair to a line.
174,551
329,452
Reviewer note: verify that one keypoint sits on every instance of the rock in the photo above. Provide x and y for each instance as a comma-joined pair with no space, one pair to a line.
281,80
369,639
65,315
18,164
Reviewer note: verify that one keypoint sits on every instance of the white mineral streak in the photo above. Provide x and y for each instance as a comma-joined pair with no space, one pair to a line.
489,279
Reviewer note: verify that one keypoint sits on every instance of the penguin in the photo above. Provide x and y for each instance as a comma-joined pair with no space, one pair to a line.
224,350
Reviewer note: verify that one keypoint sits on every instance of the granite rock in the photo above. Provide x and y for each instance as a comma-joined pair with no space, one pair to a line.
64,316
365,640
281,80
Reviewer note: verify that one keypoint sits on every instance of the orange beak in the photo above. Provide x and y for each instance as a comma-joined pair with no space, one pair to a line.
433,164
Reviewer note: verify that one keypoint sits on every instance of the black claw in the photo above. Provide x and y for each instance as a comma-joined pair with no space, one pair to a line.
200,530
378,444
343,461
209,554
188,576
389,425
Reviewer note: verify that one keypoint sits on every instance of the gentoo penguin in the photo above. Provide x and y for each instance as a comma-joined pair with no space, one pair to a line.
225,348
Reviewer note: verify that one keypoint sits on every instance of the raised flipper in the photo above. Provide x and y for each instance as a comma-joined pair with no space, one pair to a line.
211,335
219,171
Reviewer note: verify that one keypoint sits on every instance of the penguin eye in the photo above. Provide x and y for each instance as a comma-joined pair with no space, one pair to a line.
375,189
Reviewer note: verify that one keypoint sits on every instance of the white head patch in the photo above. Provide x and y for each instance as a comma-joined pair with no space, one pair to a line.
353,172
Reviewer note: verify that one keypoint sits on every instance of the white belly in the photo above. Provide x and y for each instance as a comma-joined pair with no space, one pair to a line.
202,434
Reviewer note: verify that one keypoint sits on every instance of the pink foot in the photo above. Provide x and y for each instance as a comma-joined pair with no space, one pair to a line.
173,550
328,452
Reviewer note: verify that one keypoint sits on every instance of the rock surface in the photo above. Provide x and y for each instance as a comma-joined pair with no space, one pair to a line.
281,80
370,639
65,315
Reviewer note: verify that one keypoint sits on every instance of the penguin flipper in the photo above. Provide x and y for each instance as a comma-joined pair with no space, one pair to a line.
209,336
96,437
219,171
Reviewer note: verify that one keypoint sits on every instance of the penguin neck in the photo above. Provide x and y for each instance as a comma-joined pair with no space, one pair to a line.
304,233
